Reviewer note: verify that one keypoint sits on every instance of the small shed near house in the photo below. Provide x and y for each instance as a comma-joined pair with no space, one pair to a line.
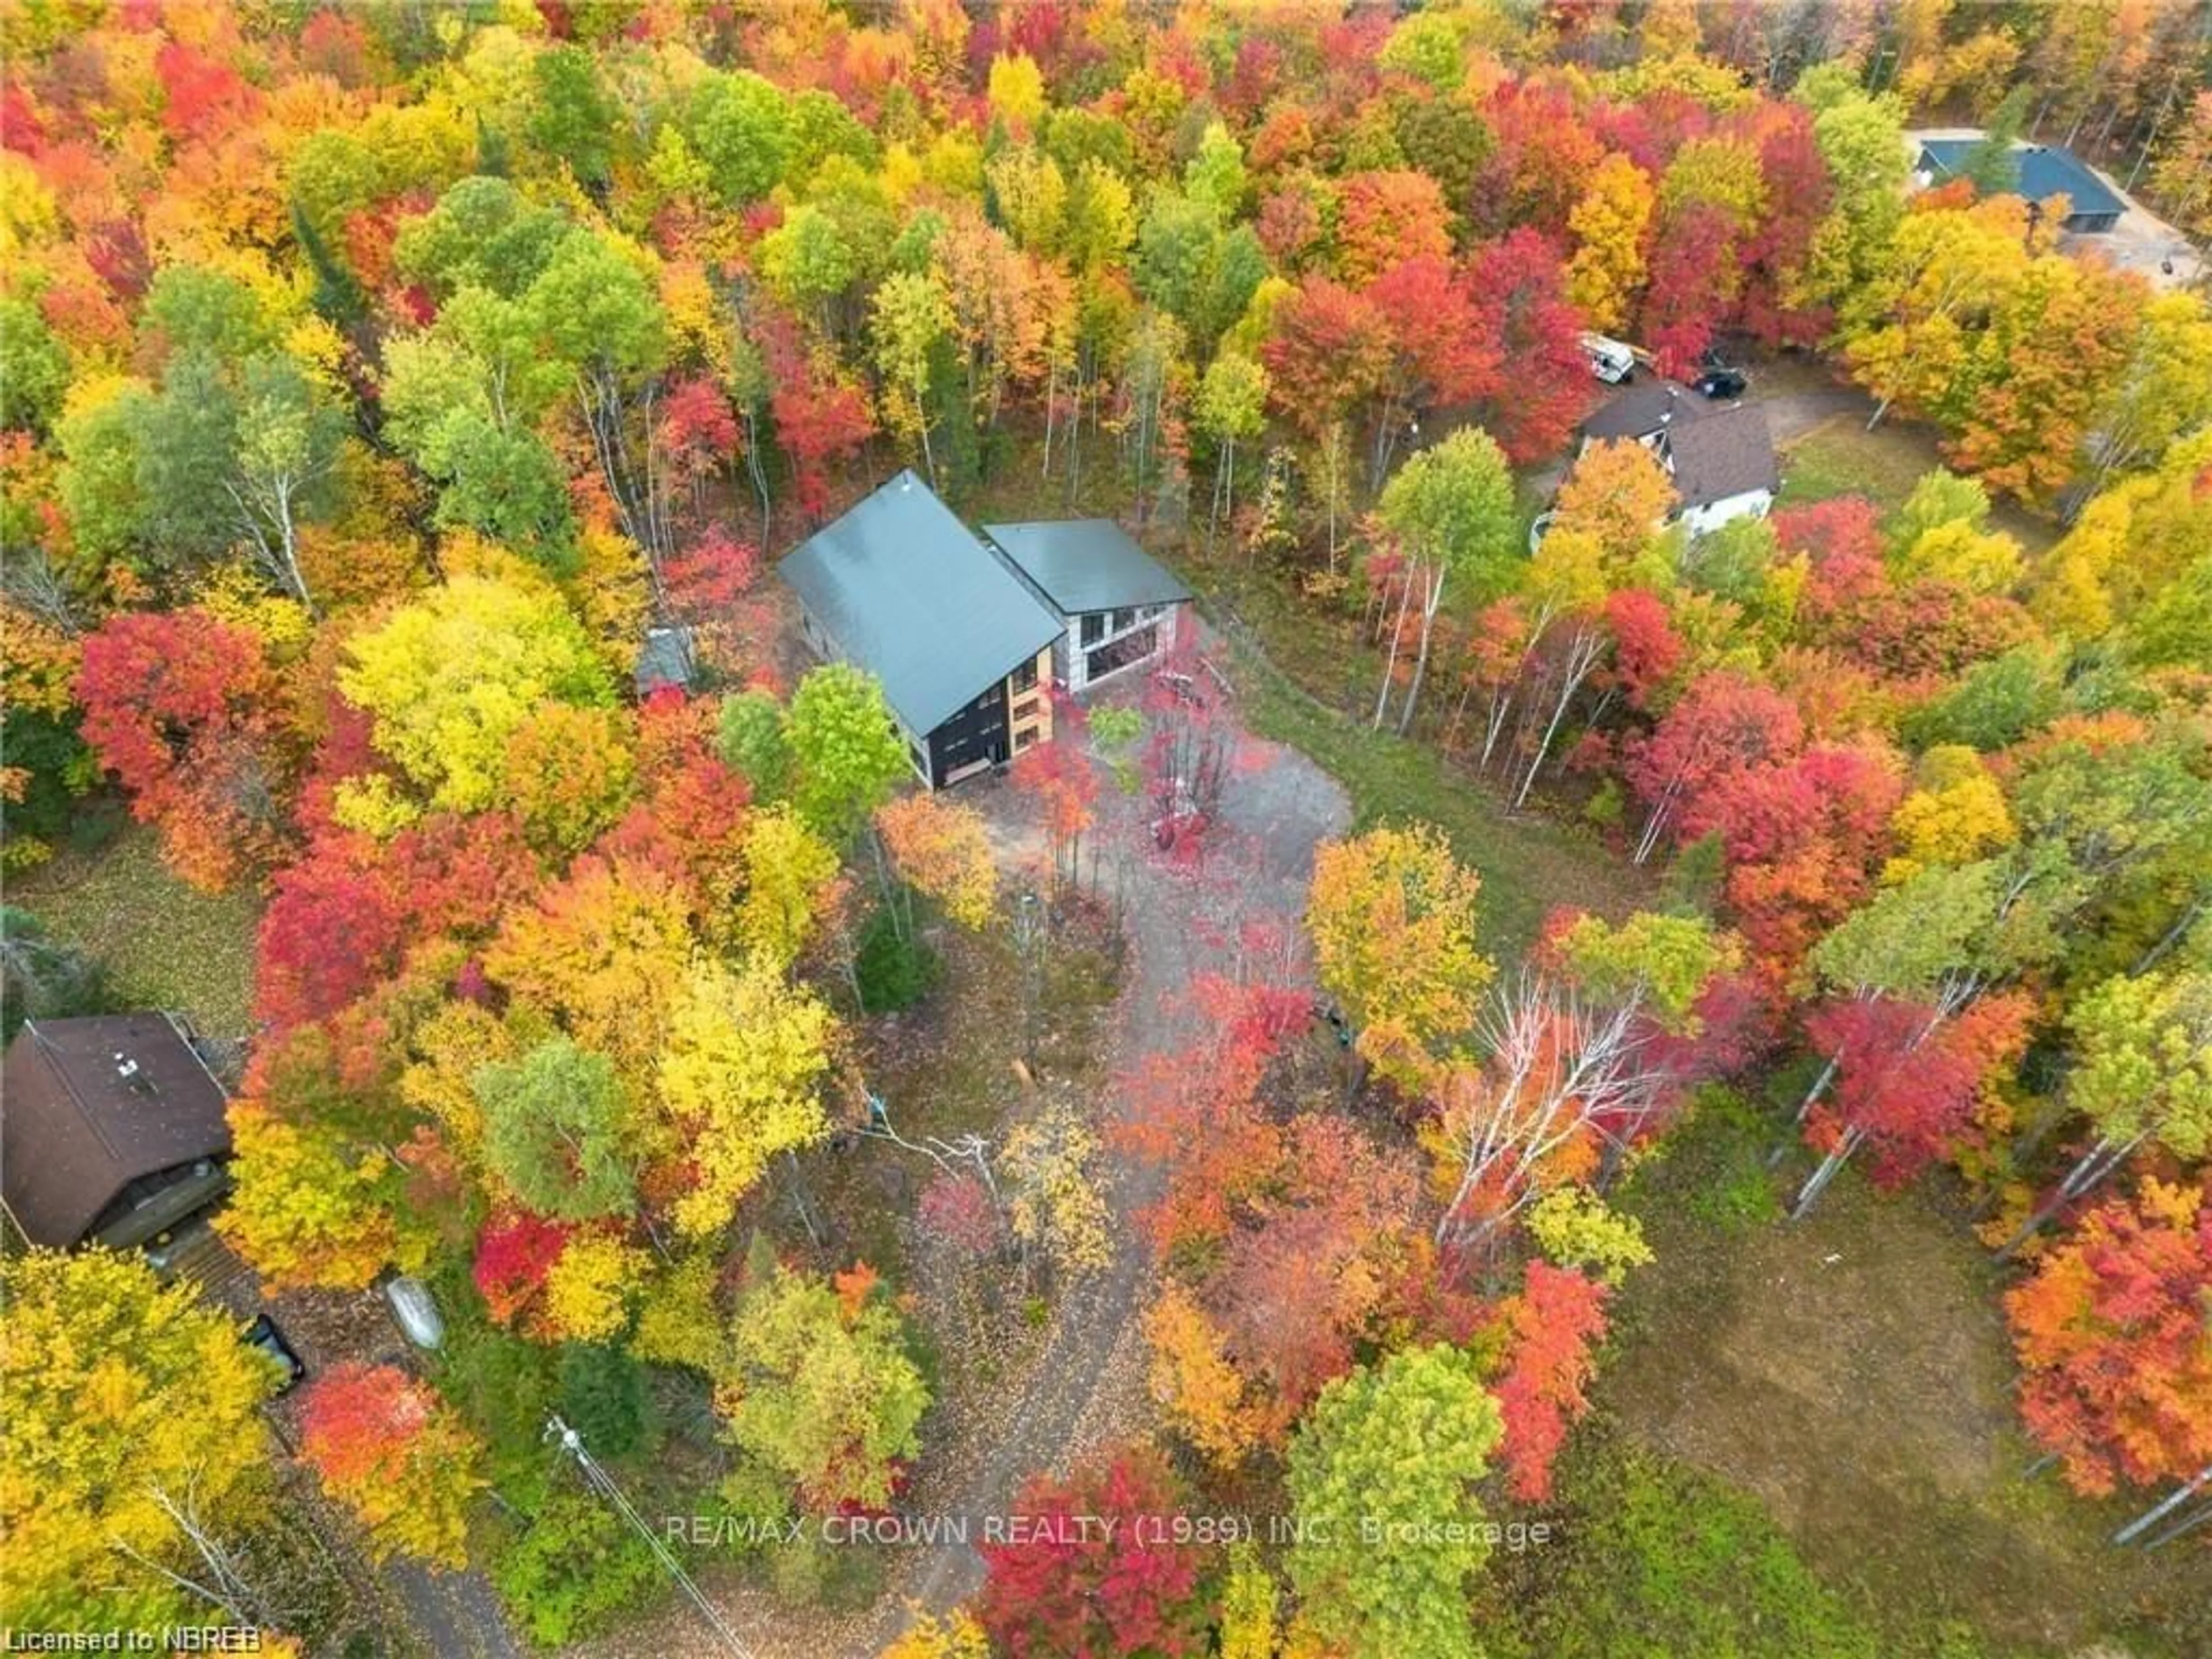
111,1129
1723,466
1119,607
2092,207
899,586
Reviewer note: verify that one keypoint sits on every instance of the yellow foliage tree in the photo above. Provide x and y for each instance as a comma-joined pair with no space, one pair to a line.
956,1637
739,1071
604,952
589,1288
790,873
1575,1228
944,851
569,773
1980,561
308,1212
1016,92
1391,915
450,679
450,1047
1957,815
1612,225
1618,494
1198,1391
1249,1599
132,1413
1054,1204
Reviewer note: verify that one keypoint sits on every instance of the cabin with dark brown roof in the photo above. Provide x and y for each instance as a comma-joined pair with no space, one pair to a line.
112,1129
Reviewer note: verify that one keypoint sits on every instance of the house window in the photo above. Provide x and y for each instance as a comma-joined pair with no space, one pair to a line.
1094,627
1121,654
1026,709
1023,678
1123,621
1025,737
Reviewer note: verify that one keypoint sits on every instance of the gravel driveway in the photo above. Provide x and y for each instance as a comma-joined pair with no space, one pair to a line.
1237,903
1240,897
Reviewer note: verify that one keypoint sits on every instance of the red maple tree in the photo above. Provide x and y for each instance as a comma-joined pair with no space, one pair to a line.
1069,1591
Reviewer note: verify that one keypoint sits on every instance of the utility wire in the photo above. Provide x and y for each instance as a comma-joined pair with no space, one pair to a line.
604,1484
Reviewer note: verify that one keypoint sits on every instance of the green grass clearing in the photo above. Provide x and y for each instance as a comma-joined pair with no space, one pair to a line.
1529,864
1852,1372
166,945
1840,457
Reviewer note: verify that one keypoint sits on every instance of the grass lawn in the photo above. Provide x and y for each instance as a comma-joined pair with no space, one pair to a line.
1840,457
167,945
1305,677
1529,864
1853,1373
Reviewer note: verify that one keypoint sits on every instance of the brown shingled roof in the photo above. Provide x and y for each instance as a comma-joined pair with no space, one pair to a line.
1643,408
1726,451
88,1106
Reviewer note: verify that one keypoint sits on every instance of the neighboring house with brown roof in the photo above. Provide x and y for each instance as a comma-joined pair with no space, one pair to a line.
1723,466
1643,411
112,1129
1720,456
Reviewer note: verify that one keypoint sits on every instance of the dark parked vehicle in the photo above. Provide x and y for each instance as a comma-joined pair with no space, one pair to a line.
263,1333
1722,383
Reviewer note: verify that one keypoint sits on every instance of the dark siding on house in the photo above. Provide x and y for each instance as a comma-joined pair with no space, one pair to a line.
976,732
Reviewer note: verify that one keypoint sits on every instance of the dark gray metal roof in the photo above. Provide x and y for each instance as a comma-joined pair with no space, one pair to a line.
2044,170
1087,564
909,592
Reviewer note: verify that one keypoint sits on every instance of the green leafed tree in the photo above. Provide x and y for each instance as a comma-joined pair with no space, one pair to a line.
751,738
912,318
573,120
555,1132
34,367
1397,1445
1232,401
740,127
846,752
821,1387
1451,509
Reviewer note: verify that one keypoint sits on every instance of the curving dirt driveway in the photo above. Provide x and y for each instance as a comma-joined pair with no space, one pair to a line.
1236,904
1239,900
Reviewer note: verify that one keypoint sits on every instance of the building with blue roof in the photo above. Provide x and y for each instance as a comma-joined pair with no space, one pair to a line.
2044,171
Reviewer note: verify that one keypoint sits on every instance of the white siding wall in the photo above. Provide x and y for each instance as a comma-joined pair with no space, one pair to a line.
1712,515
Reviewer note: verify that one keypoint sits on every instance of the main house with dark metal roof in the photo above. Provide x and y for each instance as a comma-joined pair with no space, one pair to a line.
899,586
963,631
112,1130
2092,207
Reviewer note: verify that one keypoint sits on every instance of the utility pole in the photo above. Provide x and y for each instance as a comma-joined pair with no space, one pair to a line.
1029,935
601,1482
